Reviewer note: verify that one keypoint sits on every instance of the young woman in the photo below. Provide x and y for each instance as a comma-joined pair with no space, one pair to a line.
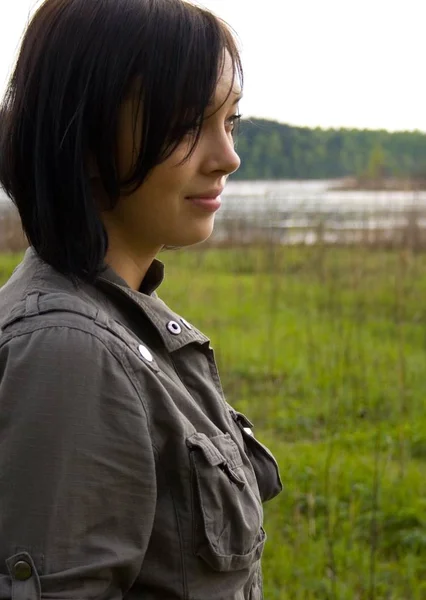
124,473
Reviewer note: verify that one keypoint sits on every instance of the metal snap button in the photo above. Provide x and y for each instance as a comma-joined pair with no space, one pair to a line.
145,353
174,328
187,325
22,570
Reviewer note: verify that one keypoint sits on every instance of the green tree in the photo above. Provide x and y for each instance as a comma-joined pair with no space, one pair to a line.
274,150
376,163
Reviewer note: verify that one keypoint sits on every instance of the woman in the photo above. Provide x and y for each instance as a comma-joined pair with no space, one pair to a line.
124,473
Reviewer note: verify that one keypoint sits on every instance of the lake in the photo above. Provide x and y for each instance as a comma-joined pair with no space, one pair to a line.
295,210
261,196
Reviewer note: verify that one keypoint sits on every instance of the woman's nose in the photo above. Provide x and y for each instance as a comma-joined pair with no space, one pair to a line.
233,160
221,155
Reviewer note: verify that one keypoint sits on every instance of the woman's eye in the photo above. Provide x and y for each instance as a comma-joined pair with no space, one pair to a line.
232,122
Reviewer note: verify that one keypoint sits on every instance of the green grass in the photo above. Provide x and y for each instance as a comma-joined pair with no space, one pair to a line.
324,349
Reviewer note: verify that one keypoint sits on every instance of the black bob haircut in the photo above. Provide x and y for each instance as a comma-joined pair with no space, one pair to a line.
79,60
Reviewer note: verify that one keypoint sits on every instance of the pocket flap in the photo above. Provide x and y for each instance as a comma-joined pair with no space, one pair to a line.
210,452
218,450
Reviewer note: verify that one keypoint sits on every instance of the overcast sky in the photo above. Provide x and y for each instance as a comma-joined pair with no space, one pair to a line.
331,63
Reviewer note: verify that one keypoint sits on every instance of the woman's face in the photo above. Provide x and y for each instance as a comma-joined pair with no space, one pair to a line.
168,208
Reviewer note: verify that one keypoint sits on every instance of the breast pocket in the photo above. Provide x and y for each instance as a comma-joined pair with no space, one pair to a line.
227,511
264,464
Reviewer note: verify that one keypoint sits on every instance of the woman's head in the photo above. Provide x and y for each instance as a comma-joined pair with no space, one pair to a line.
114,107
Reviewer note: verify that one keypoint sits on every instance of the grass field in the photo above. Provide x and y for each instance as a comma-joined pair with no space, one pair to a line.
324,350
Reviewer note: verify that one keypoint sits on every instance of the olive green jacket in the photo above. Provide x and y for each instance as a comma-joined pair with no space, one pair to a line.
124,473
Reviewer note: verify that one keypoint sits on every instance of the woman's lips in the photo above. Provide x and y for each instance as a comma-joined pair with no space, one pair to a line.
207,204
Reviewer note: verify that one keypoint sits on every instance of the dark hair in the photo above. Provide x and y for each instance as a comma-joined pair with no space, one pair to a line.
78,62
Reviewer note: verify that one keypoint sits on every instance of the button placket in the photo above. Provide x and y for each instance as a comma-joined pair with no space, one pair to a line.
186,324
145,353
148,358
174,328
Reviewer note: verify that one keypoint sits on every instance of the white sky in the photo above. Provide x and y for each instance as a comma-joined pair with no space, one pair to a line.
331,63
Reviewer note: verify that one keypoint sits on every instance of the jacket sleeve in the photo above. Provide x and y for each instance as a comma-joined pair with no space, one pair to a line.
77,471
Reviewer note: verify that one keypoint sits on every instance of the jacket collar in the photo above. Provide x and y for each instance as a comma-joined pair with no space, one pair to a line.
175,332
153,279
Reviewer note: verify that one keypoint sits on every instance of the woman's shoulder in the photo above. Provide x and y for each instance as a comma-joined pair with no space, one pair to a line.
36,295
42,309
64,356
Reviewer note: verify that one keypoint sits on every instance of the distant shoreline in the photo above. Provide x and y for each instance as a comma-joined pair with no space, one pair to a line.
386,184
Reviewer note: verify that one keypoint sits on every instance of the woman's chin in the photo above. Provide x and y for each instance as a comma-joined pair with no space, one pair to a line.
197,235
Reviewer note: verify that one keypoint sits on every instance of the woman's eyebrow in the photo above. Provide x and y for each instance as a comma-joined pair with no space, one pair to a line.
212,103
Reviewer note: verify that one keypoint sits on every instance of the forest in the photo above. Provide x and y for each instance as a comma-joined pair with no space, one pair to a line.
271,150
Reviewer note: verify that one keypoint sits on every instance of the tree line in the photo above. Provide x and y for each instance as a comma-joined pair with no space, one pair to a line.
271,150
